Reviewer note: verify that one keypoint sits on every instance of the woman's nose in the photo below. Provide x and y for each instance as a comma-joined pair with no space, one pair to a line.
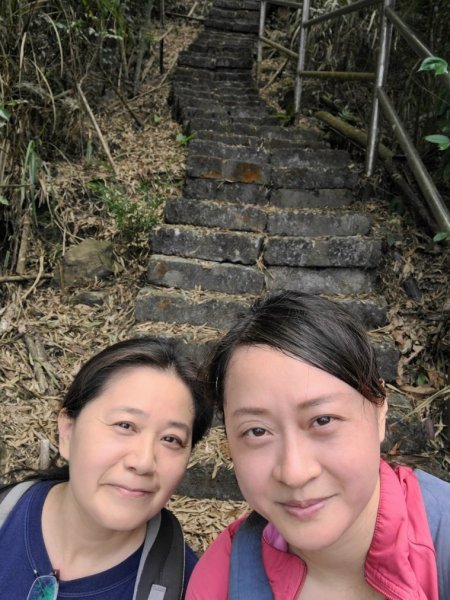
296,464
141,455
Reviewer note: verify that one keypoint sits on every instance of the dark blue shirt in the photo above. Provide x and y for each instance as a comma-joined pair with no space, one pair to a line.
22,551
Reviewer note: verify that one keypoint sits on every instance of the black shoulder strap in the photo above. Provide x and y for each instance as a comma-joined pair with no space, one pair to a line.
248,579
163,571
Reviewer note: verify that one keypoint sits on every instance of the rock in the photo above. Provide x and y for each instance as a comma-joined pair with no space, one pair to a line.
87,261
90,298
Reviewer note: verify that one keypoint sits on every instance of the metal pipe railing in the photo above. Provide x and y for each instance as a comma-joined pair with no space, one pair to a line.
340,12
301,56
380,78
426,184
388,20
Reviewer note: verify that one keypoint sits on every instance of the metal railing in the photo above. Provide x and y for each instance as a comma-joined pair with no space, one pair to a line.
389,20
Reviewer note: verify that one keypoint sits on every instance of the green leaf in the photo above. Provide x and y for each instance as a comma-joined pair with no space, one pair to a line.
4,201
422,379
4,114
434,63
441,236
184,139
443,141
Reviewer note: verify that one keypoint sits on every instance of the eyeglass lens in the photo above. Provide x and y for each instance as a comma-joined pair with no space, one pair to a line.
45,587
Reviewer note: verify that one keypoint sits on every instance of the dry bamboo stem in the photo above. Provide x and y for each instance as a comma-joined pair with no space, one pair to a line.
44,454
23,249
351,132
103,141
35,351
12,278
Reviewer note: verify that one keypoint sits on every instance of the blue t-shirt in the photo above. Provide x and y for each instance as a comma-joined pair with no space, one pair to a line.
22,552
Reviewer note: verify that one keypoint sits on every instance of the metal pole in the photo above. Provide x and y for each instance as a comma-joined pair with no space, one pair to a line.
262,23
340,12
429,190
380,77
301,56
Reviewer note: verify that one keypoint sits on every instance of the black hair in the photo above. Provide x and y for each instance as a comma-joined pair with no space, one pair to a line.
310,328
95,374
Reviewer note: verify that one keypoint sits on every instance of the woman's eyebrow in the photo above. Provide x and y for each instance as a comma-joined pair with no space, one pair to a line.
249,411
131,410
258,411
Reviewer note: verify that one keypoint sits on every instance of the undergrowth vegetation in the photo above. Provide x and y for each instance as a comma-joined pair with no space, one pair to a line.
59,60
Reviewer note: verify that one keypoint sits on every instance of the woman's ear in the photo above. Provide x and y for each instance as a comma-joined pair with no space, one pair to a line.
65,427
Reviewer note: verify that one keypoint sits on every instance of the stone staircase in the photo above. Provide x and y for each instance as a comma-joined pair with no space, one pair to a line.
263,208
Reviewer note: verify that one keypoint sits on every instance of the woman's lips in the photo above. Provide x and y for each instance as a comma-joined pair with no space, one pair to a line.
307,509
131,492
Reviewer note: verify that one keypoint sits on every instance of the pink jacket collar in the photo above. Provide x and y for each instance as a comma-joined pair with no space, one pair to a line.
401,561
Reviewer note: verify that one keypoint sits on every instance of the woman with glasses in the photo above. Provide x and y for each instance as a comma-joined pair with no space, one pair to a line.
304,411
97,528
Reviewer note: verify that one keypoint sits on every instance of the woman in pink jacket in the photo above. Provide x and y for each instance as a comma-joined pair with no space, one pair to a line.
305,411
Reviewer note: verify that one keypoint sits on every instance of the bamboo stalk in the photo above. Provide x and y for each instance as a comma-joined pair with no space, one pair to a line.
12,278
23,249
103,141
351,132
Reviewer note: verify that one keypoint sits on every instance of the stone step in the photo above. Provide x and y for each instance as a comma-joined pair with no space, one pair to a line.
240,171
310,223
207,244
193,307
266,133
230,124
217,149
230,75
176,272
303,158
205,481
289,222
201,60
227,20
315,198
259,194
322,252
203,99
247,193
305,139
218,91
316,176
326,280
219,310
207,213
198,113
231,38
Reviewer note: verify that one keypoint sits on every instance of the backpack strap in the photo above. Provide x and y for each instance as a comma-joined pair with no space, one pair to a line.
161,572
10,496
436,498
248,578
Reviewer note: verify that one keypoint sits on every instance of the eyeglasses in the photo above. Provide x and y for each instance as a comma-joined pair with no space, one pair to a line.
45,587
